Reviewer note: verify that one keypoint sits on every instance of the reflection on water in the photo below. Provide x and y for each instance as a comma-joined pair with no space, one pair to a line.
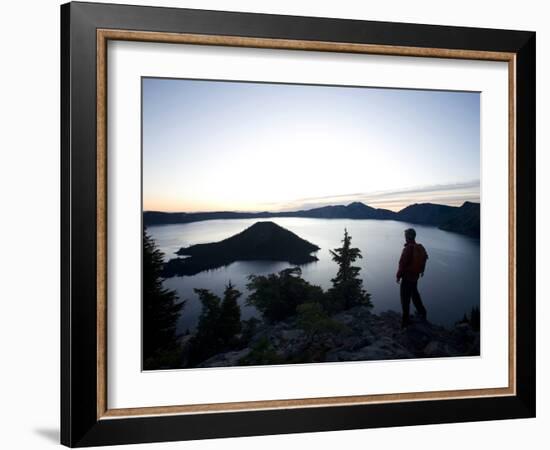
449,288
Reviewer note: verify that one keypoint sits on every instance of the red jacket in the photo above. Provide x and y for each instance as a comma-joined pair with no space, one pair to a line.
412,262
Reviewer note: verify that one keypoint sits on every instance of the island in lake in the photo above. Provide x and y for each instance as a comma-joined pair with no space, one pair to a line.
261,241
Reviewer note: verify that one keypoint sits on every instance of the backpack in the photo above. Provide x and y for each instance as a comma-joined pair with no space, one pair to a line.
419,258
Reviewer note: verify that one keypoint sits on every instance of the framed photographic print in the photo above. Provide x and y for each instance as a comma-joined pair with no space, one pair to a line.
277,224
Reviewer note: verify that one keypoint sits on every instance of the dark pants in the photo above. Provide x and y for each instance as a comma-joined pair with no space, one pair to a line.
409,290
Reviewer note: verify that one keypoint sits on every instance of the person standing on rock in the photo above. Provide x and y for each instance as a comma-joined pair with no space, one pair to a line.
411,266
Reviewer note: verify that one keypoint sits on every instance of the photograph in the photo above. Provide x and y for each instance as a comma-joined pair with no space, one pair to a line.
299,223
289,223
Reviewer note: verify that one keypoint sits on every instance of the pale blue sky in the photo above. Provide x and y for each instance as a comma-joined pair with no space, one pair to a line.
217,145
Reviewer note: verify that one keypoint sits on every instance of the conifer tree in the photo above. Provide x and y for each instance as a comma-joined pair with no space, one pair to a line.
475,318
160,307
219,323
206,341
230,315
347,287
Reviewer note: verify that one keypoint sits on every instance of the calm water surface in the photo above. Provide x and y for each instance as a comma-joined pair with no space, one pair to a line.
450,286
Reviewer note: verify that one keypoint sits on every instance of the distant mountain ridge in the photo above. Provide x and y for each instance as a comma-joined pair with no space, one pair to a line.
463,219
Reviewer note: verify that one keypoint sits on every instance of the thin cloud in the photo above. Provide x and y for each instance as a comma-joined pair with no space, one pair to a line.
453,194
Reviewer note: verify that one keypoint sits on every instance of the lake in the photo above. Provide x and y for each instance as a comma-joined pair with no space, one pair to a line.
450,286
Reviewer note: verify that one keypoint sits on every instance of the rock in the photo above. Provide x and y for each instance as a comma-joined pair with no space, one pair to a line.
367,337
438,349
383,348
355,342
465,339
292,335
346,319
185,344
294,348
474,348
225,359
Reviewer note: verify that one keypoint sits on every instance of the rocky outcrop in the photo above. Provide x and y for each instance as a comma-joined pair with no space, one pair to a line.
360,336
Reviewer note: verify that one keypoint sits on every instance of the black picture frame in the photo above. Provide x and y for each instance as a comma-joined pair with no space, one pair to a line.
80,425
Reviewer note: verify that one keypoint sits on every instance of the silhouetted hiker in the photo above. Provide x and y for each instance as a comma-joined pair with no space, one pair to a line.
411,265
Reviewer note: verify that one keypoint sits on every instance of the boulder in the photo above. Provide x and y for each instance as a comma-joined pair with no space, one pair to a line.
225,359
292,335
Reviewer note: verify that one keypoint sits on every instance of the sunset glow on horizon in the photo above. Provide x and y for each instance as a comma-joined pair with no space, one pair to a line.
239,146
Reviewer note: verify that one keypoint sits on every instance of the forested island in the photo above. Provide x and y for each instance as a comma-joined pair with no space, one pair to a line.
464,219
261,241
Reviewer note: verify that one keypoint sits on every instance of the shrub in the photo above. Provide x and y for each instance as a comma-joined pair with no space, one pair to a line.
277,296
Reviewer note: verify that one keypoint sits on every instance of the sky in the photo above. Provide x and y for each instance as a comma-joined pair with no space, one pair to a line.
244,146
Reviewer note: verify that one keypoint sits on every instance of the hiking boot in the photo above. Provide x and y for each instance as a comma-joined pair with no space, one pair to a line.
422,317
